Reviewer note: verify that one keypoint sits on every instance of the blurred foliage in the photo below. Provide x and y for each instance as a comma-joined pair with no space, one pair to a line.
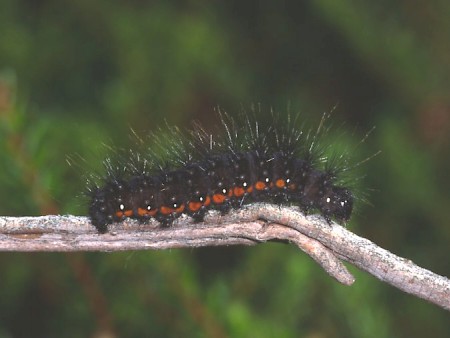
78,74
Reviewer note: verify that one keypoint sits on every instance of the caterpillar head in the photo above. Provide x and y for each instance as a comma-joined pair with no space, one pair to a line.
337,203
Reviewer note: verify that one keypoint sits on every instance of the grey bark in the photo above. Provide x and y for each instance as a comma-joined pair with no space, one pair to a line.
327,244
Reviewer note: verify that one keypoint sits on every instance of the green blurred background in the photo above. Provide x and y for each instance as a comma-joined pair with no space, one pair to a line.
77,74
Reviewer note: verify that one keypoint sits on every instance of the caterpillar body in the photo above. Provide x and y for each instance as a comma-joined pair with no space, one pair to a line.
250,161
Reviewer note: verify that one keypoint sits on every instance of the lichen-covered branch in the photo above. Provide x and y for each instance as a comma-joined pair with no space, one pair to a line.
327,244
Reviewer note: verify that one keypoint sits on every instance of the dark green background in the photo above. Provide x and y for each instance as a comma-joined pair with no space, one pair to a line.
76,74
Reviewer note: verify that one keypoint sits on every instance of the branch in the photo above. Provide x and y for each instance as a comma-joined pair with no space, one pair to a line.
327,244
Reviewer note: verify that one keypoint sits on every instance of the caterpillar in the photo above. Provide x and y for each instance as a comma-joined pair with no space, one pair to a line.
248,161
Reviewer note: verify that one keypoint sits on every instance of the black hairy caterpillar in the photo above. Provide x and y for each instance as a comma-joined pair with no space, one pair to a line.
252,161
